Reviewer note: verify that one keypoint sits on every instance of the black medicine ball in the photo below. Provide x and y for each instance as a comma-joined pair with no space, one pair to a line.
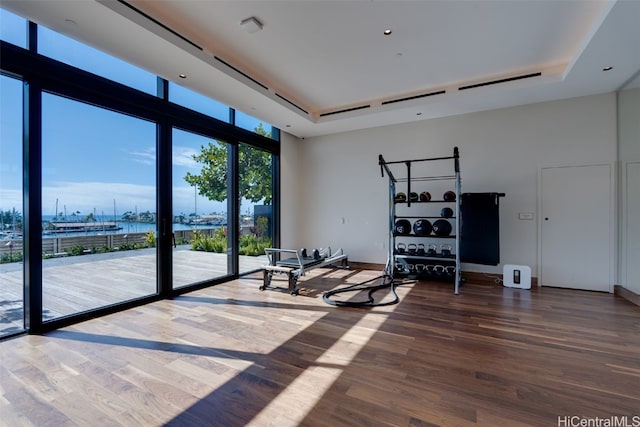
449,196
425,196
442,227
446,213
422,227
401,197
413,196
403,227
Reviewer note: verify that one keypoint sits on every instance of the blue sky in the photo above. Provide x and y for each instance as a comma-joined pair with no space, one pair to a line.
92,156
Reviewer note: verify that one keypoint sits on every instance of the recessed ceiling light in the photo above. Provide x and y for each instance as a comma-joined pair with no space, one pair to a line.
607,68
182,76
387,32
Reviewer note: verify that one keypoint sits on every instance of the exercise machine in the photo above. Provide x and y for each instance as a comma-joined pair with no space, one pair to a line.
298,263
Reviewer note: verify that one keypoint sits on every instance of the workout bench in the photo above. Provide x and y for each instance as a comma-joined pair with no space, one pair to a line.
296,266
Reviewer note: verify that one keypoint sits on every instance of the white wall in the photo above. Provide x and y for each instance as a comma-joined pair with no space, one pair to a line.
629,156
342,200
289,188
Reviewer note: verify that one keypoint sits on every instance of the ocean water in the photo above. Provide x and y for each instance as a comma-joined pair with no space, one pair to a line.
127,227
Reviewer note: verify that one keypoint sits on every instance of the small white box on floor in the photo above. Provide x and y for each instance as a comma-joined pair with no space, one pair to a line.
516,276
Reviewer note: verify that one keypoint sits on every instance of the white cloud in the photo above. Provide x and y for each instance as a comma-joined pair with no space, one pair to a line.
183,156
146,157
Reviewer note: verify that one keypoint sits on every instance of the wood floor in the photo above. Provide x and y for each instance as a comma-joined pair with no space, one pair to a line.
76,284
232,355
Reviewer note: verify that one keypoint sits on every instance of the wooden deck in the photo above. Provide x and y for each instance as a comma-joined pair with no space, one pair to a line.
231,355
76,284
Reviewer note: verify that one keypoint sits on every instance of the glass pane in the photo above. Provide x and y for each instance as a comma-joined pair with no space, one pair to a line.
98,207
247,122
13,29
200,194
187,98
11,271
72,52
256,229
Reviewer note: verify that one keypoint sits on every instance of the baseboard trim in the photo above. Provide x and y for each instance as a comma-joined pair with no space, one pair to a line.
626,294
475,277
492,279
366,266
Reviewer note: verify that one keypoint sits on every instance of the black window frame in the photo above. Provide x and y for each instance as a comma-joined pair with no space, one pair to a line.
43,74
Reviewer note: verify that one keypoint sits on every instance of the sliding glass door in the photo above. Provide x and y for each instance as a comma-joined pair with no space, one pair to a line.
200,208
11,215
255,183
98,207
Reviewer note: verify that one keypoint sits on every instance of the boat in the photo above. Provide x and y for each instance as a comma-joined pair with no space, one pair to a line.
61,227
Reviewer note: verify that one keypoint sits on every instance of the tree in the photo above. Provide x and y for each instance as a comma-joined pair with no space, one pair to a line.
255,172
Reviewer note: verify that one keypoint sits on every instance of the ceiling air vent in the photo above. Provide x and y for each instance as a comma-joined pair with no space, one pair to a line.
505,80
292,103
241,73
409,98
155,21
345,110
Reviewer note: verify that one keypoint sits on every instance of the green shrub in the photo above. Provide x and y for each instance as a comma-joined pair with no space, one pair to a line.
253,246
101,250
126,246
150,239
14,257
181,241
75,250
216,243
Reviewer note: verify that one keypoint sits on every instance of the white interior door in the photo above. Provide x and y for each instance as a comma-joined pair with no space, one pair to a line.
576,228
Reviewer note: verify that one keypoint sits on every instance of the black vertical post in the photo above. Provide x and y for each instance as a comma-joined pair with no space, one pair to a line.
275,201
408,183
32,196
164,205
233,209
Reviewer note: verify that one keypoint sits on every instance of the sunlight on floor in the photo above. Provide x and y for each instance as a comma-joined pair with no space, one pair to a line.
326,370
